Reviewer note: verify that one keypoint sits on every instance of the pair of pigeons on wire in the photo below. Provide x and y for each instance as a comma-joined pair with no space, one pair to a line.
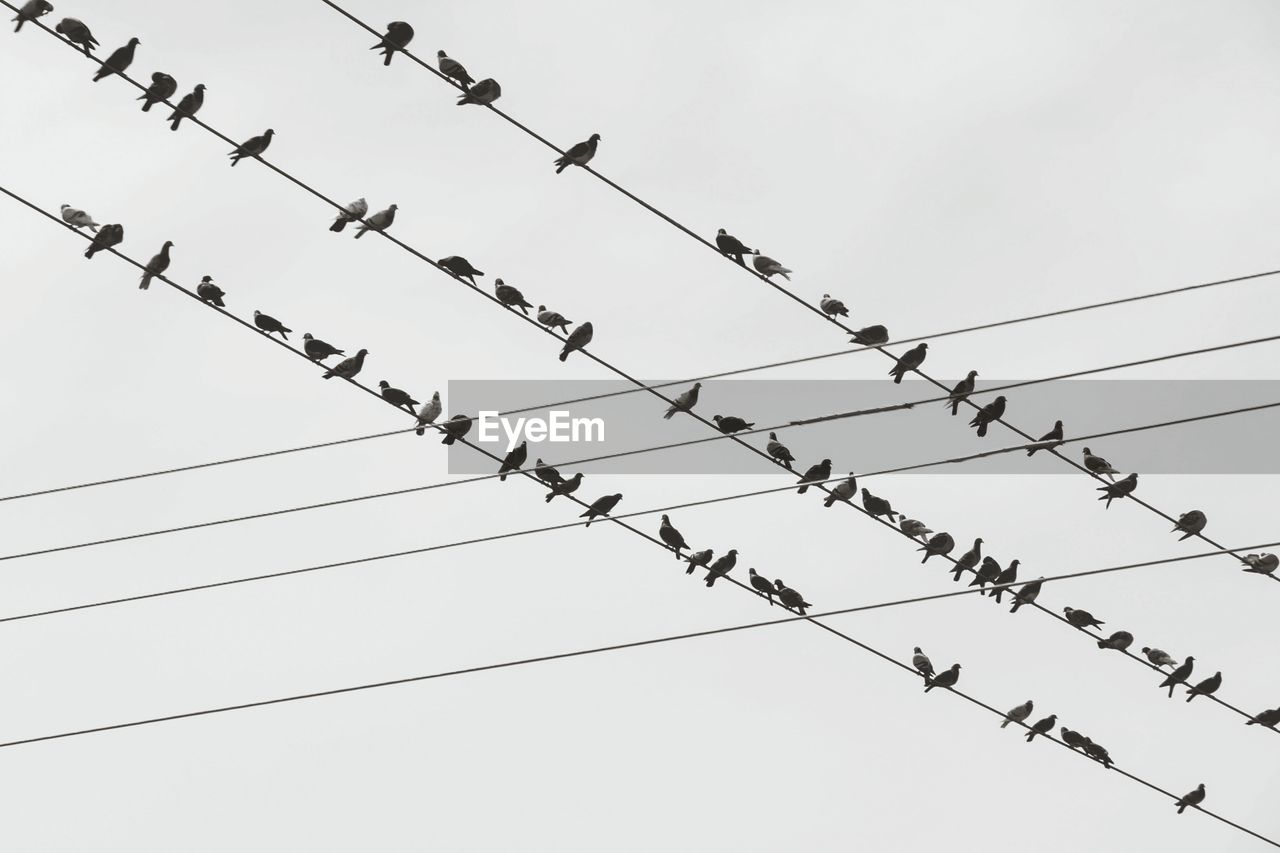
734,249
397,38
556,484
867,336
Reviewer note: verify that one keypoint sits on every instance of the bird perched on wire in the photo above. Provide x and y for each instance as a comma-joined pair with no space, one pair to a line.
945,679
960,392
156,266
985,574
547,474
1082,618
1048,441
552,319
187,107
940,545
510,296
77,218
1190,523
578,155
1098,753
454,70
1018,714
457,427
429,412
1267,718
761,585
514,459
779,451
31,10
485,92
875,506
1008,576
908,361
870,336
353,212
1042,727
461,268
842,491
685,402
577,339
968,560
565,487
1075,740
118,62
1026,594
252,148
731,247
1179,675
923,665
76,32
1118,489
396,397
1194,798
768,267
380,221
915,529
790,598
989,413
161,89
1205,688
832,307
318,350
730,424
1119,641
816,474
674,539
271,325
722,566
1262,564
349,367
699,560
110,235
397,37
1098,465
602,506
210,292
1159,657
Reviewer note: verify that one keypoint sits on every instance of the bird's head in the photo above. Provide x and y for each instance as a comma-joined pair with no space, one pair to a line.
779,584
168,244
200,87
382,383
270,133
306,336
595,137
665,519
393,207
733,552
722,232
440,54
972,374
826,462
497,282
955,667
697,385
917,650
541,308
362,353
435,398
135,41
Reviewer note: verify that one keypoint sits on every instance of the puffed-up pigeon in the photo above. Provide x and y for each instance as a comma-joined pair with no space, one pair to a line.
210,292
76,32
162,88
940,545
353,212
1190,523
485,92
1262,564
988,414
459,425
577,339
870,336
31,10
397,37
1119,641
1118,489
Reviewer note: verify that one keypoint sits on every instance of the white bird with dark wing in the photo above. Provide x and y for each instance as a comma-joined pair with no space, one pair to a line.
77,218
768,267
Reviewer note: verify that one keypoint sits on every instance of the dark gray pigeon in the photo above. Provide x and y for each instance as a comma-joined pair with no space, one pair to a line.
552,319
945,679
156,266
842,491
1118,489
485,92
461,268
396,397
31,10
210,292
816,474
1042,727
119,60
700,560
76,32
187,107
458,426
453,69
1267,718
1048,441
397,37
1194,798
1119,641
832,307
1190,523
1075,740
1026,594
685,402
349,367
1098,753
731,247
779,451
515,458
547,474
1008,576
722,566
909,361
162,88
790,598
961,392
1098,465
1082,618
939,545
110,235
318,350
985,574
1179,675
271,325
968,560
511,297
870,336
253,147
602,506
989,413
1205,688
380,221
578,155
1262,564
577,339
877,507
565,487
762,585
923,665
730,424
674,539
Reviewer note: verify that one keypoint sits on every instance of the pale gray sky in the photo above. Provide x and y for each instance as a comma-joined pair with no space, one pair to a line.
933,164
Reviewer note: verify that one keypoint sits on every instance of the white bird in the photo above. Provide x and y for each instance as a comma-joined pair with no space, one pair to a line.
77,218
832,307
356,210
429,412
1098,465
767,266
914,528
380,221
485,92
453,69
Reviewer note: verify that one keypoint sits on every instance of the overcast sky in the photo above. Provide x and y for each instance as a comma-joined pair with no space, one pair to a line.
933,164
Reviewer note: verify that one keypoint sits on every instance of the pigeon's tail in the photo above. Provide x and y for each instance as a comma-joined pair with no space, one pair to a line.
564,354
235,158
829,501
146,281
339,224
20,21
711,581
174,122
669,414
1182,807
1006,722
102,72
361,232
502,478
802,490
88,253
996,593
217,300
982,430
562,163
897,378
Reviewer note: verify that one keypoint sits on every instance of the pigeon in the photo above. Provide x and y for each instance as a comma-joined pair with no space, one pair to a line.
731,424
1265,718
1098,753
77,218
968,560
253,147
1159,657
161,89
992,411
685,402
565,487
270,325
986,573
31,10
459,425
1082,618
210,292
118,62
380,221
941,545
453,69
1119,641
1194,798
946,679
722,567
778,451
578,155
761,585
429,412
77,33
914,529
349,367
701,559
485,92
110,235
767,266
547,474
351,213
1048,441
516,457
672,537
577,339
910,360
1205,688
600,507
1118,489
394,396
398,36
842,491
1042,727
318,350
1098,465
511,297
156,266
731,247
1179,675
961,392
461,268
816,474
1026,594
1018,714
1262,564
187,107
870,336
876,506
923,665
1190,523
1008,576
1075,740
790,598
832,307
552,319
